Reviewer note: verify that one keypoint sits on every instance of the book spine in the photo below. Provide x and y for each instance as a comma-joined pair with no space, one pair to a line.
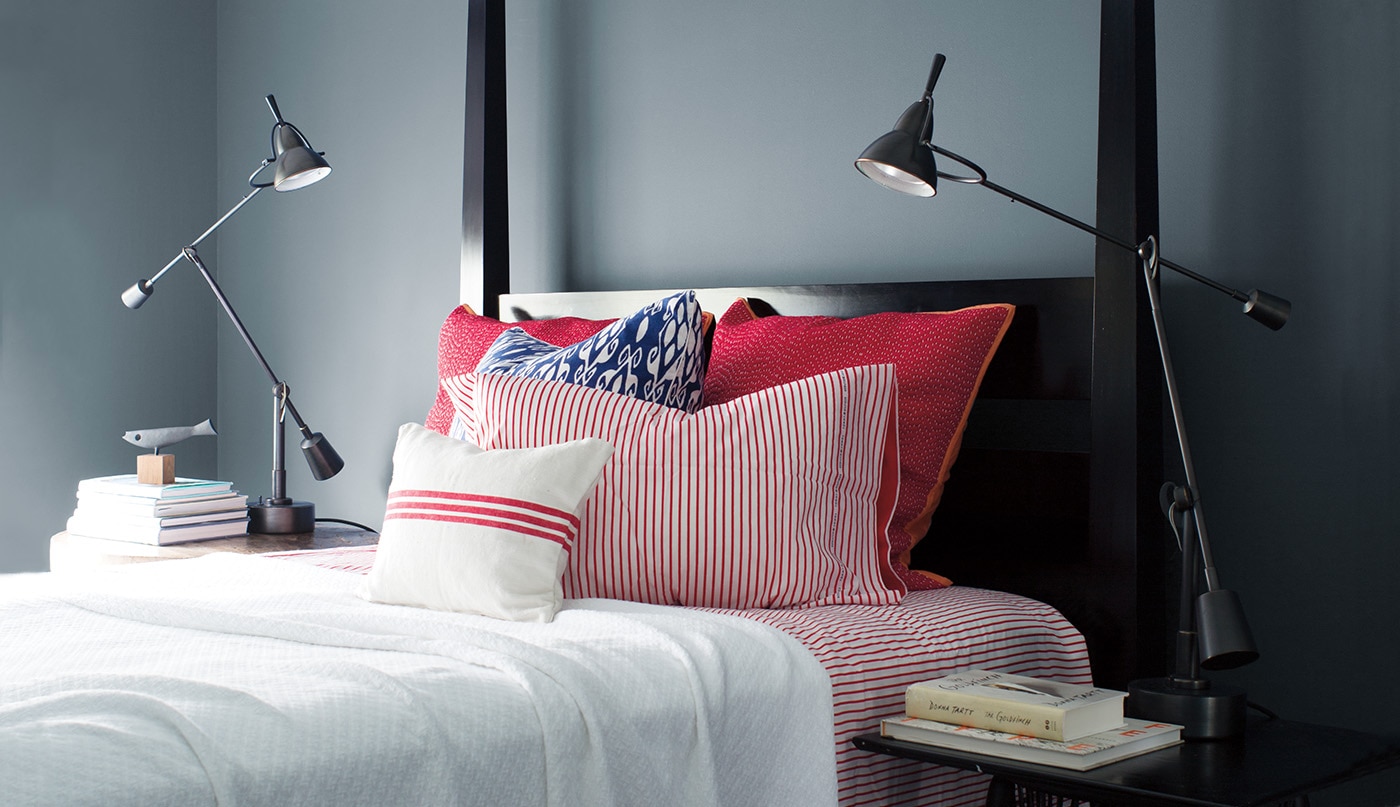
962,709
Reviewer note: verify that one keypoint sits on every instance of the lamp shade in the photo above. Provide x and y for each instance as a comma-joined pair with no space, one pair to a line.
901,159
298,165
321,456
1224,638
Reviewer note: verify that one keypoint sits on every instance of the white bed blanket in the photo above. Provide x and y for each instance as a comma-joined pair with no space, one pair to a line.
235,680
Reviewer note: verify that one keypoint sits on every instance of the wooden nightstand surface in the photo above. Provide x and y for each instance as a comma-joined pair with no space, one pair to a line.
68,552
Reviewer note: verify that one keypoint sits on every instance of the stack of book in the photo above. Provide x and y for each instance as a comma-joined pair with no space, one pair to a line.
122,509
1027,719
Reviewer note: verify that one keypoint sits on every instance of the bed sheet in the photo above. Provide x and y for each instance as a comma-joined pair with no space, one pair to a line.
246,680
873,653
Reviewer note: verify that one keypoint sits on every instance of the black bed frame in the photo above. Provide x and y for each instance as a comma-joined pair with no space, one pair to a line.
1054,494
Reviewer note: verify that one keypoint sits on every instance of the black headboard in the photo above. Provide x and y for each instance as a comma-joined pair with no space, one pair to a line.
1064,446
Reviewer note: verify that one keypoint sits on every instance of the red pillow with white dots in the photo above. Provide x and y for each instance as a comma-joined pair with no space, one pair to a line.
465,337
939,359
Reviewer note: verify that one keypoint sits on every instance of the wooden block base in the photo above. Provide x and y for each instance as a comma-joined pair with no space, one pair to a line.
155,469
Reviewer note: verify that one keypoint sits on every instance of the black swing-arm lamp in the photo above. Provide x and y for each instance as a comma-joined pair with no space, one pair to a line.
296,166
902,160
1213,632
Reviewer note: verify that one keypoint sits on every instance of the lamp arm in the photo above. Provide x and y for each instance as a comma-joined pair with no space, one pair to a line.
1147,251
301,424
1152,278
193,257
1133,248
225,217
281,392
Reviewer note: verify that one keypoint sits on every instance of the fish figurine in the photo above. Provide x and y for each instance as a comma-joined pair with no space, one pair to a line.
156,439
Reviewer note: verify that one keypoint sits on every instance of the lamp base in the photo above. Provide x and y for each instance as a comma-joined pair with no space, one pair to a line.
267,517
1208,712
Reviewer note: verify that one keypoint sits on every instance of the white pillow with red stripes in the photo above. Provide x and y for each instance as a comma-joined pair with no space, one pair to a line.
481,532
776,499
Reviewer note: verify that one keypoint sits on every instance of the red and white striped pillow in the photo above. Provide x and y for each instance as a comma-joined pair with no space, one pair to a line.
776,499
481,532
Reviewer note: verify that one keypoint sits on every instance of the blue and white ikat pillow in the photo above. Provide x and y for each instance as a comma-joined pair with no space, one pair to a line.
656,354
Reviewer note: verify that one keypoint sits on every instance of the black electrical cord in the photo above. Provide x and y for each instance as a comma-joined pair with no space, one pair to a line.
350,523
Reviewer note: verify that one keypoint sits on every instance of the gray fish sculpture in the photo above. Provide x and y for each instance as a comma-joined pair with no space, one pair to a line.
156,439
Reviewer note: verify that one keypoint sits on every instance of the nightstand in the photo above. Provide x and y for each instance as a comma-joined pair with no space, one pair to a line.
69,552
1275,762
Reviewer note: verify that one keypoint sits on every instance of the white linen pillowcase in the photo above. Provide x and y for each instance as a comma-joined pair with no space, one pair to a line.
481,532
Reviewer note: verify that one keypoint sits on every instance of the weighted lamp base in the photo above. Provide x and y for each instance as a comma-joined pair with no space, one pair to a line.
281,519
1212,712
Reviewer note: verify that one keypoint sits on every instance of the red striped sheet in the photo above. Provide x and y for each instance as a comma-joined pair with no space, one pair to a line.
873,653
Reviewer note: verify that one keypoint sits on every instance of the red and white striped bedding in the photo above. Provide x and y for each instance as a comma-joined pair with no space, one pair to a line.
775,499
873,652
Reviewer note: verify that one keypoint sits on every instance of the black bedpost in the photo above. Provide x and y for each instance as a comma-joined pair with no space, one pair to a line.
485,199
1127,424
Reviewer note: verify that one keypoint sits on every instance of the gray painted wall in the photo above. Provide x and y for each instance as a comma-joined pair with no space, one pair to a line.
715,141
1278,125
343,284
107,127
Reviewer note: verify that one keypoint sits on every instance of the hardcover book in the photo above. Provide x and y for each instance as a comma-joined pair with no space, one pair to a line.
89,517
91,503
127,485
155,534
1017,704
1133,738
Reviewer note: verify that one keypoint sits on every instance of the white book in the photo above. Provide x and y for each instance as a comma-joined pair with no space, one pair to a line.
127,485
156,535
103,503
1016,703
87,515
1133,738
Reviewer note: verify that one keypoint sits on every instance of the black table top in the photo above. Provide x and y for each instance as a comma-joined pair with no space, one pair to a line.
1276,760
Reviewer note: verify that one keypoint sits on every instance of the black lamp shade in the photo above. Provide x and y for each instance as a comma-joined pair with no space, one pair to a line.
1224,638
901,159
298,165
321,456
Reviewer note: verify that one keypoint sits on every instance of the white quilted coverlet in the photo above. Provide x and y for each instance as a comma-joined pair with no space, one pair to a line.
236,680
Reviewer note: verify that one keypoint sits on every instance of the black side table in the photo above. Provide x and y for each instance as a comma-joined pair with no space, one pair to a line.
1276,762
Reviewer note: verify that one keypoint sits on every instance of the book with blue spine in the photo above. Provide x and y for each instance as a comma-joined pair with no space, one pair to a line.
127,485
